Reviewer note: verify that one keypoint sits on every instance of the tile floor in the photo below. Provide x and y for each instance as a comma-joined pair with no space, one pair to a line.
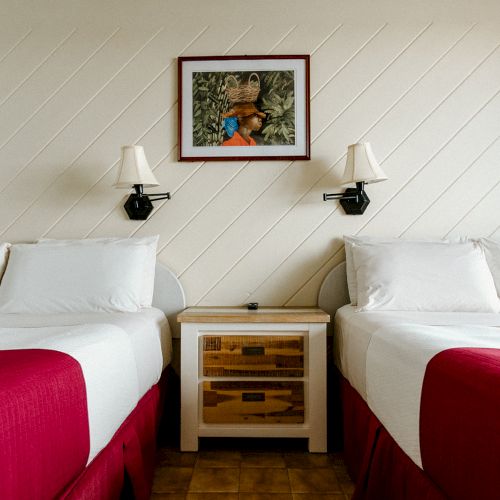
238,471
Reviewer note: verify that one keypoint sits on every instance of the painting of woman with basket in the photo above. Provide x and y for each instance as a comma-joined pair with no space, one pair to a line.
243,118
253,106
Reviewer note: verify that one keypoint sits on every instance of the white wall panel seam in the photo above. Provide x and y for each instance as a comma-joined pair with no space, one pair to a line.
38,66
326,38
282,39
452,183
349,60
59,88
489,191
29,205
171,107
16,44
214,195
32,159
451,92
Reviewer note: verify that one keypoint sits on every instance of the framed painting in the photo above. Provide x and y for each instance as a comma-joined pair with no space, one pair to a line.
244,108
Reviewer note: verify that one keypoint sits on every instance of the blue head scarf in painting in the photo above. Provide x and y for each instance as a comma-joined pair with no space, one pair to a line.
231,125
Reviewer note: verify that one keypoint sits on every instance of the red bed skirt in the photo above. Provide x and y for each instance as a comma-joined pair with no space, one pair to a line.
130,453
380,469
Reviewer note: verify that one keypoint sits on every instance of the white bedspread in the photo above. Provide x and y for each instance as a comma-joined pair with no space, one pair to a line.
121,354
396,360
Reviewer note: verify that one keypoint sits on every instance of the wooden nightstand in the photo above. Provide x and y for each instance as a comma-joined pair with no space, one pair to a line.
258,373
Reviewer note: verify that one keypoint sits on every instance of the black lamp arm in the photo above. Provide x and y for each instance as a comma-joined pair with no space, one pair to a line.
139,191
350,194
159,196
339,196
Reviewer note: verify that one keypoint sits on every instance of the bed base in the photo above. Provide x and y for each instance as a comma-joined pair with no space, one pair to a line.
374,460
128,461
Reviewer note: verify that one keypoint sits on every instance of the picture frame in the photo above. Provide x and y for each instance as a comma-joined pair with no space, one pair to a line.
244,108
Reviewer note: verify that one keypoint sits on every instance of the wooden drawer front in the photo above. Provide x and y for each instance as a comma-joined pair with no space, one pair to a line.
253,356
259,402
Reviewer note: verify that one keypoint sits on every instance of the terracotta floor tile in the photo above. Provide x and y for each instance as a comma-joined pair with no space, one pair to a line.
262,460
265,496
219,459
175,458
308,460
171,479
215,479
264,480
318,496
168,496
347,487
212,496
314,481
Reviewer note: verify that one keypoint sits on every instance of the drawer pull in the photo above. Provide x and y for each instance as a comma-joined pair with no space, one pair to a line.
253,396
253,350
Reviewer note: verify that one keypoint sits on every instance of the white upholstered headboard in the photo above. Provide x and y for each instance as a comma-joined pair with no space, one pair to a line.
169,296
333,292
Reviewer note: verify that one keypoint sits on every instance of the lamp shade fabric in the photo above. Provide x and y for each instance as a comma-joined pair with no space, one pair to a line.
361,165
134,169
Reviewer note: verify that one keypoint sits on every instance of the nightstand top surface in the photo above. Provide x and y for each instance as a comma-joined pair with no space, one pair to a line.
261,315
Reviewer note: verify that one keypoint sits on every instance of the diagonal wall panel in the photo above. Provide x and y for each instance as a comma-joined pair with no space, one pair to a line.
419,81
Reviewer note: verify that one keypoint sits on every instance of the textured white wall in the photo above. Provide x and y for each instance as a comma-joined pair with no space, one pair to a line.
420,80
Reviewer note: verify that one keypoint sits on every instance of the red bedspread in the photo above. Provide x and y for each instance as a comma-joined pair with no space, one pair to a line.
44,434
460,422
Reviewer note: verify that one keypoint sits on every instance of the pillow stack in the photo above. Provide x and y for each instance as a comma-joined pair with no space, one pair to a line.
64,276
423,275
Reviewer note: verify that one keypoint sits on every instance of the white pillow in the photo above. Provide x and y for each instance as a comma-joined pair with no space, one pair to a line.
371,240
4,255
491,250
149,264
424,277
57,278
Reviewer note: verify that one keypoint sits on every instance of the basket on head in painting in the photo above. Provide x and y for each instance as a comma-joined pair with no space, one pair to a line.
237,92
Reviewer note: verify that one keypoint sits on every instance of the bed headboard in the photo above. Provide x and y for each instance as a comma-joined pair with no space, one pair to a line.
333,292
169,296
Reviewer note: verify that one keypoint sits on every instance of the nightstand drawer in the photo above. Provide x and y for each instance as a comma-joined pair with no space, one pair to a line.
265,402
253,355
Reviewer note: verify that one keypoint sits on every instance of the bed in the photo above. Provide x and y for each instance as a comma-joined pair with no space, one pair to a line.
420,395
82,391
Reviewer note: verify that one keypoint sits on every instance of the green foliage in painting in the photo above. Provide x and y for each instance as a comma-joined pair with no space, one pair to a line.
209,102
278,102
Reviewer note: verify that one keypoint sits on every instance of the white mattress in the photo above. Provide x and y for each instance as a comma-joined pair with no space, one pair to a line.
354,330
121,354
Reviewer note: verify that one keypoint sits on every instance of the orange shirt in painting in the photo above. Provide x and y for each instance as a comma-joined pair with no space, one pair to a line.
237,140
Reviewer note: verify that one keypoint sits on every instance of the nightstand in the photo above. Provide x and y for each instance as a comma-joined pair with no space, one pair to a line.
259,373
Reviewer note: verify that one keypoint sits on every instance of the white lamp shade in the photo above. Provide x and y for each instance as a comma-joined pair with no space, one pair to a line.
134,169
361,165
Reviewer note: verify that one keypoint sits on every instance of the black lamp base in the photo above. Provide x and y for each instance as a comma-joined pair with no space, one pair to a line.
355,206
138,206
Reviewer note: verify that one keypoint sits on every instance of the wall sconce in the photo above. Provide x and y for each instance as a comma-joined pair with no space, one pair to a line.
361,168
135,172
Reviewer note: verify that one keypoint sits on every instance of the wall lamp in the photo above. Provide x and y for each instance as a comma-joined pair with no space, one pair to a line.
361,168
135,172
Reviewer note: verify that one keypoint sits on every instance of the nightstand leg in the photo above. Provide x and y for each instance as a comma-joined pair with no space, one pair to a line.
317,388
189,388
